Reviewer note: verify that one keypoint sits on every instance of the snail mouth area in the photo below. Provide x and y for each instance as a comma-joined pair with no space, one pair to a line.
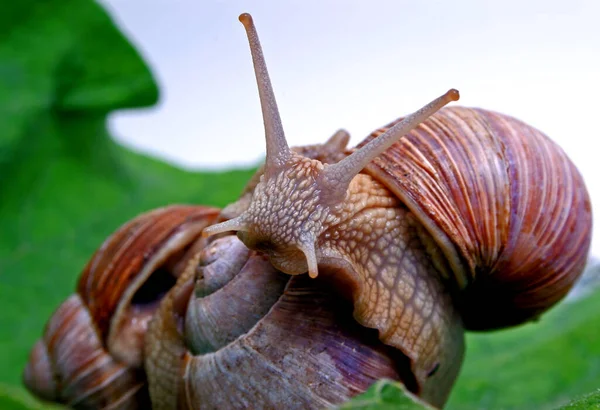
340,276
293,262
288,259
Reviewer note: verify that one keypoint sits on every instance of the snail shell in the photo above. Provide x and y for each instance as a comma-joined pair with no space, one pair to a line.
251,337
484,203
90,355
507,207
166,315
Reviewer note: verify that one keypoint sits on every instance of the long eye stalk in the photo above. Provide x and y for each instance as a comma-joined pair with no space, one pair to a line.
334,179
337,177
277,148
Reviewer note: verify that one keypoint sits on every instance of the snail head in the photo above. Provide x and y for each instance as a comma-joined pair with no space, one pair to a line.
298,198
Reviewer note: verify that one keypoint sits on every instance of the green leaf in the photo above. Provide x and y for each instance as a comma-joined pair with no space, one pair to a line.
386,394
589,401
541,365
14,398
65,185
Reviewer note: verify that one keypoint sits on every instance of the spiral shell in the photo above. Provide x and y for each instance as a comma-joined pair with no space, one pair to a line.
90,355
508,208
165,318
252,337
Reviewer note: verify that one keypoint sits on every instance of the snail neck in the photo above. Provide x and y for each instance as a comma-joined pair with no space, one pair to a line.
382,256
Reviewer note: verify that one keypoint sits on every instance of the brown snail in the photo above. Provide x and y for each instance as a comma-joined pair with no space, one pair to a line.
473,220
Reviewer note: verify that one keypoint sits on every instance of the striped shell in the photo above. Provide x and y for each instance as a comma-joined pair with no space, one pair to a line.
252,337
163,318
508,208
90,355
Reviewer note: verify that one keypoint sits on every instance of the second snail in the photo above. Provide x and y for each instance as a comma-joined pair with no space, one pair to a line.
348,265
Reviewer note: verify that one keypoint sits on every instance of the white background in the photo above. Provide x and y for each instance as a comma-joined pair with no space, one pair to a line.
358,65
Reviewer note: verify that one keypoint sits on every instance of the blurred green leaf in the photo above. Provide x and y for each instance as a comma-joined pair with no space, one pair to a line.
386,395
65,184
14,398
536,366
590,401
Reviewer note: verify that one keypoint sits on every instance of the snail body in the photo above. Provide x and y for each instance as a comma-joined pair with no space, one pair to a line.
420,237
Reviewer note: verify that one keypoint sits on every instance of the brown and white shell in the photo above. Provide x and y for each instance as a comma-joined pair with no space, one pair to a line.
165,318
90,355
507,207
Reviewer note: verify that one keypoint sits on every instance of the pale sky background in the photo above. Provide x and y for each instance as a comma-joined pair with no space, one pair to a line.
358,65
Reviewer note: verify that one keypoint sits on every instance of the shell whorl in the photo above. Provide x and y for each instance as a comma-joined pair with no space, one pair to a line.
91,353
506,205
71,365
266,339
111,282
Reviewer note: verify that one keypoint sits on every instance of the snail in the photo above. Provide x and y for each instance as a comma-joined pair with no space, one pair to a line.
447,220
91,353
